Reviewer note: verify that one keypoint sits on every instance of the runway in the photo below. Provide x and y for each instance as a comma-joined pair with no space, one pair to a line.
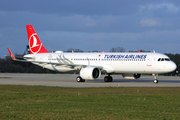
68,80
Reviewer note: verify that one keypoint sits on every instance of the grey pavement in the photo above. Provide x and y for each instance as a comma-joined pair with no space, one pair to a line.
69,80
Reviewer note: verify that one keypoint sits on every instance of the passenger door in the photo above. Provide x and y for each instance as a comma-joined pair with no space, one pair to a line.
149,60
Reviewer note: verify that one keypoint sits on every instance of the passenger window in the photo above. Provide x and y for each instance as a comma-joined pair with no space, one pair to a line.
159,59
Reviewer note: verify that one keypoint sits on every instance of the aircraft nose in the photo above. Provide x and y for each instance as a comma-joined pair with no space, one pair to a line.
172,66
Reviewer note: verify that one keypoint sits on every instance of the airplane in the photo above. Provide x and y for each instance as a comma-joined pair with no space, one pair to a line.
91,65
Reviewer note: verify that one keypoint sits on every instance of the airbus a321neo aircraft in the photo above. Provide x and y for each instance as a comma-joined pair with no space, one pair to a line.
91,65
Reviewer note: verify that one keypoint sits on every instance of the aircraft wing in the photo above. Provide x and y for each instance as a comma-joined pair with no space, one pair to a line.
53,63
66,64
75,66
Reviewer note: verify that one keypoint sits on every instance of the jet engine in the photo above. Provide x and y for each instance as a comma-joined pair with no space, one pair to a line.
131,76
90,73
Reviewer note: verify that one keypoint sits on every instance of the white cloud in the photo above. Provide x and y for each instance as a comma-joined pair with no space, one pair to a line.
90,22
149,23
171,7
150,7
167,6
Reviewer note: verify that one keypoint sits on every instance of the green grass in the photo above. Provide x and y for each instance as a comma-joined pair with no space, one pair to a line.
40,102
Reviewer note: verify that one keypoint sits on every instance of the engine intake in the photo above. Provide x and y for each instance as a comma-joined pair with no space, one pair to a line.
90,73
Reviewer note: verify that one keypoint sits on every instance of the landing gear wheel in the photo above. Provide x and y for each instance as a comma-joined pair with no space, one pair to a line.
155,81
79,79
108,79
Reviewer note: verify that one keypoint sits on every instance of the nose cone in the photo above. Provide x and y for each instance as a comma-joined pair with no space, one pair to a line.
172,66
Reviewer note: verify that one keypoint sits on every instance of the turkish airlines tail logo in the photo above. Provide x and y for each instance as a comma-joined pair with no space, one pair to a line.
34,42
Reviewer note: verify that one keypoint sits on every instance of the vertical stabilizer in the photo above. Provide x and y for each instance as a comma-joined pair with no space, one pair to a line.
35,44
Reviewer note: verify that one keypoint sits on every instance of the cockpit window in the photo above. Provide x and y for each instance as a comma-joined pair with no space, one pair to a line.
167,59
159,59
164,59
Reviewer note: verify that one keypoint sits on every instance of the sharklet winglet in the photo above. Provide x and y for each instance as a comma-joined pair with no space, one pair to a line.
12,56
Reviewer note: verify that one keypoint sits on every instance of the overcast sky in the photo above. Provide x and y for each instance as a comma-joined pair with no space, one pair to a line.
91,24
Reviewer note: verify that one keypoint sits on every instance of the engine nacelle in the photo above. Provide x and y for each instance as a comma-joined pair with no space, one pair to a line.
131,76
90,73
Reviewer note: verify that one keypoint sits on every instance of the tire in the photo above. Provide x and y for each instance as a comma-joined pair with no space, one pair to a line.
108,79
155,81
79,79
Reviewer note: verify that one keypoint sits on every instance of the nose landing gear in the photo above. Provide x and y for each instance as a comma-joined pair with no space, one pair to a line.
155,78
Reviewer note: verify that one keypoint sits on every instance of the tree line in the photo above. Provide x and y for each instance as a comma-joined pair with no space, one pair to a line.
10,66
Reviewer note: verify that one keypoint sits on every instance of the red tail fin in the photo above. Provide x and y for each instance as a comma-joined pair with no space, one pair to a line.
35,44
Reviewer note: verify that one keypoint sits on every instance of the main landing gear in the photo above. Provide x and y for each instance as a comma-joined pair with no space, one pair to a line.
108,78
155,78
79,79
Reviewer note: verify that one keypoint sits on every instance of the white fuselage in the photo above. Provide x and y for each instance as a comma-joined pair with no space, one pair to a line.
108,62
